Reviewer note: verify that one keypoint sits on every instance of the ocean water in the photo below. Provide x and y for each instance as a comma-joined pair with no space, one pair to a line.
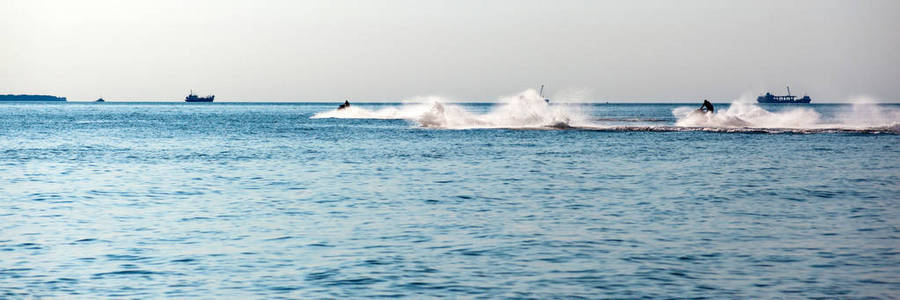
519,199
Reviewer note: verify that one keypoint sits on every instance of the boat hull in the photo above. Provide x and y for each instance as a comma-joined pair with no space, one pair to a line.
776,101
195,98
769,98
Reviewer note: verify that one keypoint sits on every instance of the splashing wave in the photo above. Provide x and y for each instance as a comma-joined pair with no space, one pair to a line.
527,110
864,115
524,110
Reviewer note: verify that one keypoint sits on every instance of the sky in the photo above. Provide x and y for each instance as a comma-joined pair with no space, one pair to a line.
374,50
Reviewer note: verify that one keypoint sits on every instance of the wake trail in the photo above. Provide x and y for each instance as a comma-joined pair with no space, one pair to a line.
863,116
528,110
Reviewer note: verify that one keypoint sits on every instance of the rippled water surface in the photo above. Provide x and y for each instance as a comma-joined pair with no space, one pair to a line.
259,200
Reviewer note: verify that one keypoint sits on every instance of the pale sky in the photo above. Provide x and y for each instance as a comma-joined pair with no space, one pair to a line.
369,50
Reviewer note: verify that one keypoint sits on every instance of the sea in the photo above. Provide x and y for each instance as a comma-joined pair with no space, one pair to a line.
425,198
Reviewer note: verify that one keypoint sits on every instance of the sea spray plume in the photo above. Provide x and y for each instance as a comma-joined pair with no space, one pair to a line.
691,117
529,109
523,110
449,116
865,112
755,116
743,113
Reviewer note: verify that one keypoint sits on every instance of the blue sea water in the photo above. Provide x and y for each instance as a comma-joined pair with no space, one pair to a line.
247,200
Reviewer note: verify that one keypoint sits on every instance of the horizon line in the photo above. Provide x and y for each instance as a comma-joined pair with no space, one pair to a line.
455,102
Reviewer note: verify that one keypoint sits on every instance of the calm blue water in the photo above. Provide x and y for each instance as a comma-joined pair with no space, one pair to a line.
260,201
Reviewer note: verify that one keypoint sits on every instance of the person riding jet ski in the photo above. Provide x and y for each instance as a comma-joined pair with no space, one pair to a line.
707,107
345,105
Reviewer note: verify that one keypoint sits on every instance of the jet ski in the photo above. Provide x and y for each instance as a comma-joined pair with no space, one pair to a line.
706,107
345,105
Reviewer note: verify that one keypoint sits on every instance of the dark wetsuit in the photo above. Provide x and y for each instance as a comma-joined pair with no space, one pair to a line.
345,105
707,106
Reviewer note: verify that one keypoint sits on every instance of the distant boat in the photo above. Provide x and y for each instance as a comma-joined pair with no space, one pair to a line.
769,98
31,98
195,98
100,100
345,105
542,95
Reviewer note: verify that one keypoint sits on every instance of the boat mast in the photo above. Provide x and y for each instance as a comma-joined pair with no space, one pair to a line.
789,90
542,91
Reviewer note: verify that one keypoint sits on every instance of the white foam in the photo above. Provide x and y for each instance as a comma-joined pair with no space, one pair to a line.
527,110
523,110
356,112
863,114
866,113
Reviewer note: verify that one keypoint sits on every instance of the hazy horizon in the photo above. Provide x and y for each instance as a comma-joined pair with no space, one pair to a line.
388,51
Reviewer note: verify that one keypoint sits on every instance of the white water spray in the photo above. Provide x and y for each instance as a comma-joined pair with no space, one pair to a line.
524,110
866,113
527,110
742,113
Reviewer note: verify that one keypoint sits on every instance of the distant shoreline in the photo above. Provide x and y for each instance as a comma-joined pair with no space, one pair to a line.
31,98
